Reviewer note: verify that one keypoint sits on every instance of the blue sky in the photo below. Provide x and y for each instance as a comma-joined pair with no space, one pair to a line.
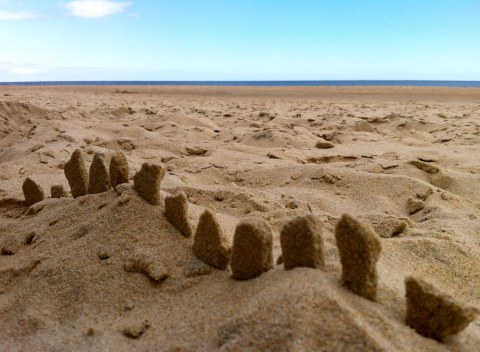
239,39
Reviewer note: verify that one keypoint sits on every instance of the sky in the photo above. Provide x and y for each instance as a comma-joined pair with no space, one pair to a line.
49,40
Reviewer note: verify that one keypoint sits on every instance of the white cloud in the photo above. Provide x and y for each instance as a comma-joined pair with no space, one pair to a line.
20,15
95,8
27,70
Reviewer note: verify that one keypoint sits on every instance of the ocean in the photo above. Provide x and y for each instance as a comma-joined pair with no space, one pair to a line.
257,83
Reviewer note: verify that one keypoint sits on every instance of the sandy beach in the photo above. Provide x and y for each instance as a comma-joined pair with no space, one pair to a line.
402,159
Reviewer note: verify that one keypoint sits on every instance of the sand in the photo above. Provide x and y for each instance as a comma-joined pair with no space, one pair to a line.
108,272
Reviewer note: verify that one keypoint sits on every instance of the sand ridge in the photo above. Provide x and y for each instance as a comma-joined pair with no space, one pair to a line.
63,281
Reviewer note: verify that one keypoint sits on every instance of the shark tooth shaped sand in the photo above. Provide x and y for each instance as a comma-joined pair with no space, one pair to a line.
359,247
32,191
433,313
302,243
118,170
176,211
77,174
210,244
147,182
252,249
98,180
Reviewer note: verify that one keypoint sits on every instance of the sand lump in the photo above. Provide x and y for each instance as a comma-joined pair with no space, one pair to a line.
148,264
387,226
323,144
414,205
58,191
196,150
136,330
428,168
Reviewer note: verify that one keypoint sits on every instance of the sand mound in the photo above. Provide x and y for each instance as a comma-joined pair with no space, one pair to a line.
18,116
109,271
274,137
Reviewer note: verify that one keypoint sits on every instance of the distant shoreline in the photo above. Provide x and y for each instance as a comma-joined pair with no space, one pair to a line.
424,93
321,83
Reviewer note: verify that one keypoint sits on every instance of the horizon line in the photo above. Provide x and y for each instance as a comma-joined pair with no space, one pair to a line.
254,80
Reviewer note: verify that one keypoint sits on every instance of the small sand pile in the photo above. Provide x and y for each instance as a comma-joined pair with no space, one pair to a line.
359,248
135,330
323,144
252,249
414,205
210,244
387,226
428,168
148,264
58,191
196,150
77,174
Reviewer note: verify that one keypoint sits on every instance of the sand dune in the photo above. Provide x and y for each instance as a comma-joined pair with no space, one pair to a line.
401,159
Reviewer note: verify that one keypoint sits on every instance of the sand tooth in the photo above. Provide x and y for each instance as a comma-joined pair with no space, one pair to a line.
210,244
99,180
147,182
433,313
77,174
252,249
176,211
119,171
302,243
359,248
32,191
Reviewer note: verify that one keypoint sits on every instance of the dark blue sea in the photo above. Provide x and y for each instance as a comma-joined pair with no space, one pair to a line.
256,83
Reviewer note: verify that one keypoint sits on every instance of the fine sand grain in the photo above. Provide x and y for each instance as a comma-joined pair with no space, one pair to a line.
109,272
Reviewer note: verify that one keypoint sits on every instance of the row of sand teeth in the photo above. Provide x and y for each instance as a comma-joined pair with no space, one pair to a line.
430,312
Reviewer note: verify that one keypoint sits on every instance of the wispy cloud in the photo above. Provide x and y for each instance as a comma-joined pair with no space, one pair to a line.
19,15
27,70
96,8
12,69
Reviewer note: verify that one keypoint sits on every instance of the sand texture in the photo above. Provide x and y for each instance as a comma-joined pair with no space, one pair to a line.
109,272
